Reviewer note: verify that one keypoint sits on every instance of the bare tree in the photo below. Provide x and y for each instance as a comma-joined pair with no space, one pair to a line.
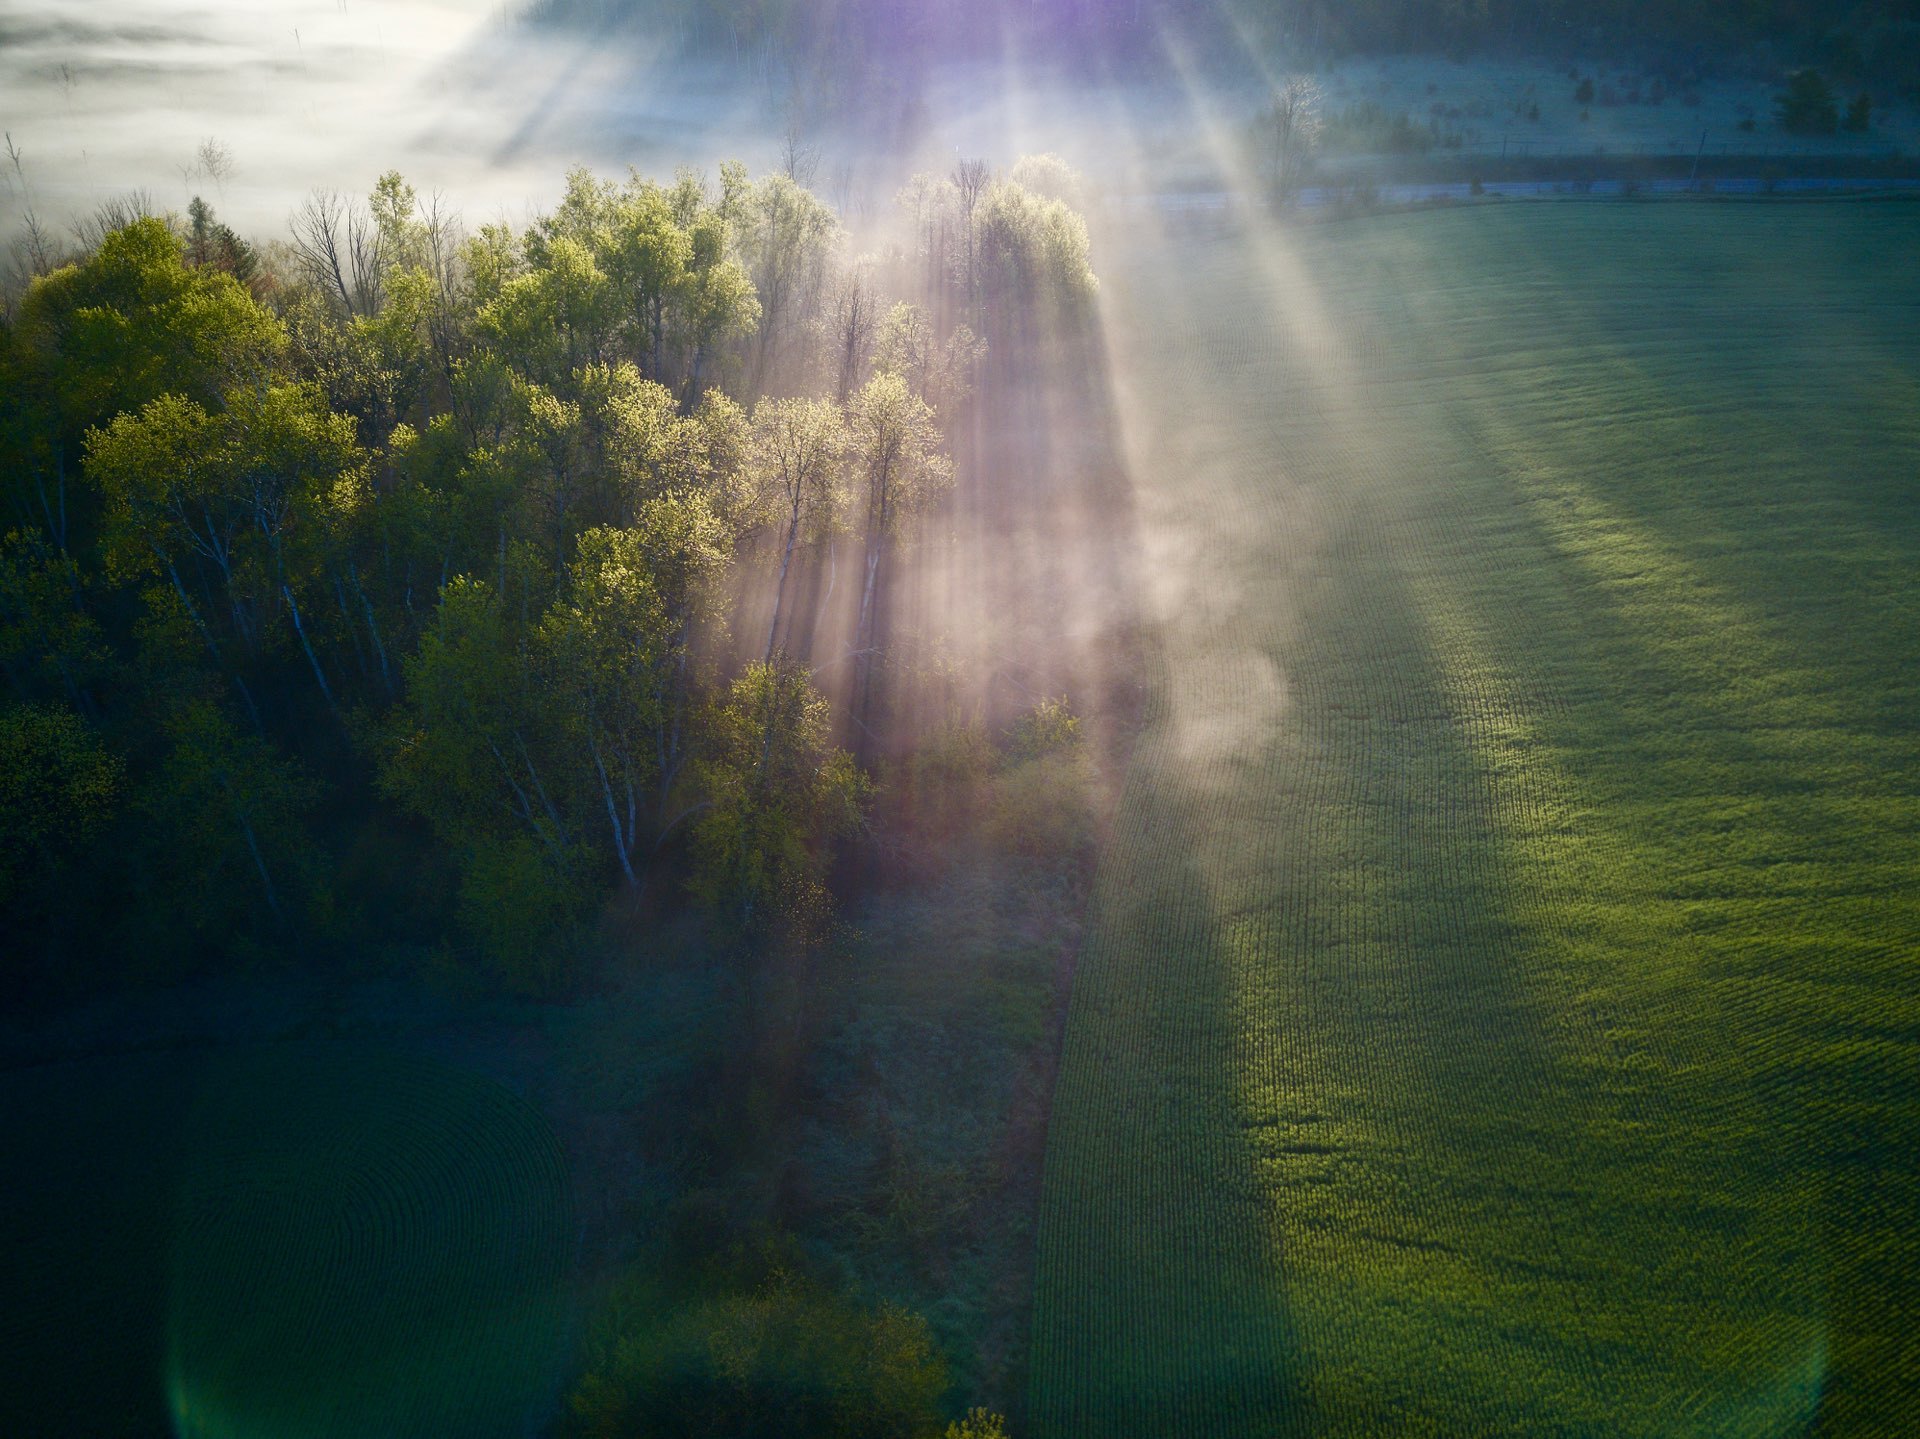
970,179
115,213
215,162
856,319
798,160
339,247
1292,127
35,251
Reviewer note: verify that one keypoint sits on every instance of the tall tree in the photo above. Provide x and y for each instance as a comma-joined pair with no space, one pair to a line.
896,454
799,447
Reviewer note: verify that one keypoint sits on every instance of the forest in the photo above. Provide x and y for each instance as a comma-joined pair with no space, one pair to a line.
391,583
394,599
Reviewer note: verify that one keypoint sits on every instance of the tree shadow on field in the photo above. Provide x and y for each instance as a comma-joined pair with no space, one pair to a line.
1160,1307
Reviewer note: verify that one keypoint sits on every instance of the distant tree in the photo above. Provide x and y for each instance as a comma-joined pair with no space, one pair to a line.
1859,117
932,210
853,321
1051,178
1806,106
1292,127
970,181
784,235
1035,270
210,243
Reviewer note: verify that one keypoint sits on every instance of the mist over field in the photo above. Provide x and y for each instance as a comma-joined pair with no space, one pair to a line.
465,97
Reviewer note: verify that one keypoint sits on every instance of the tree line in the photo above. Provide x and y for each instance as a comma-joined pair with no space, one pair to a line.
390,584
886,33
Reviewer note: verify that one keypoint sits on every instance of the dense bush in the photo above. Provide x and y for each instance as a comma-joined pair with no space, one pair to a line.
783,1359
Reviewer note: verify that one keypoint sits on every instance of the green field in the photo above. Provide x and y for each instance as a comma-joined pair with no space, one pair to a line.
1501,1002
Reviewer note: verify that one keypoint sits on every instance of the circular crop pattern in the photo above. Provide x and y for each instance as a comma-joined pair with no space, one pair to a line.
363,1243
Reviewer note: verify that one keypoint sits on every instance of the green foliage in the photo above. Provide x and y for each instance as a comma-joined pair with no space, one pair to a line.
463,525
132,323
787,1359
228,848
784,235
778,795
978,1424
238,511
1050,727
58,788
895,447
940,371
1806,106
50,646
1033,250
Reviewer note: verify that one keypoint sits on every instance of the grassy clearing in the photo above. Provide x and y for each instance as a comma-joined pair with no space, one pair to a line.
1499,1011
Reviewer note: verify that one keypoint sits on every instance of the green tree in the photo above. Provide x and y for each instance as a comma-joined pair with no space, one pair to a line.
784,234
225,816
58,788
465,751
799,447
941,371
1806,106
50,646
1034,259
778,793
556,317
111,333
978,1424
896,456
603,656
230,508
648,257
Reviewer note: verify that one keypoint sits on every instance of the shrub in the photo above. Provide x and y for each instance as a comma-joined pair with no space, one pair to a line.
788,1359
1048,728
